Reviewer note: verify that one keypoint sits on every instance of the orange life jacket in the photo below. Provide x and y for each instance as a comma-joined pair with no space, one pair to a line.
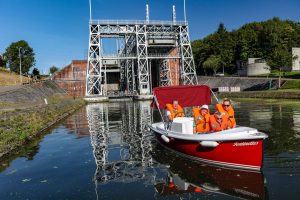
228,114
215,125
175,113
202,122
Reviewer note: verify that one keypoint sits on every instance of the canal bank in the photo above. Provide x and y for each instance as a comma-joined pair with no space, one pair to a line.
26,112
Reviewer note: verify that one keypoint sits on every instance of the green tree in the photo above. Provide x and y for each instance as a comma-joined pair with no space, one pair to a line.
280,58
35,72
53,69
257,40
13,58
213,63
225,48
221,44
2,62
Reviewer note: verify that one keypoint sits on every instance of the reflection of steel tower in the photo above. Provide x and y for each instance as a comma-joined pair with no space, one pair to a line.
140,43
134,143
97,119
145,121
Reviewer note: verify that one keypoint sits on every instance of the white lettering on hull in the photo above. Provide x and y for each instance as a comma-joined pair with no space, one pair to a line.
239,144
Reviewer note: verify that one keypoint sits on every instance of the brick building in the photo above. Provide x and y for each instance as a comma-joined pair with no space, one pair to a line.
72,78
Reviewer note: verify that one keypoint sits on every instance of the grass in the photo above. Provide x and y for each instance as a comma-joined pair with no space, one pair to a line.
8,78
19,126
291,103
292,84
268,94
293,74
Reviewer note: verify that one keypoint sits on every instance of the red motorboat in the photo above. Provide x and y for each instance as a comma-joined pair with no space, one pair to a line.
240,147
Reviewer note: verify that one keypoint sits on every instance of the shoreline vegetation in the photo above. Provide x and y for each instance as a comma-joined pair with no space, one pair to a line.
22,124
267,94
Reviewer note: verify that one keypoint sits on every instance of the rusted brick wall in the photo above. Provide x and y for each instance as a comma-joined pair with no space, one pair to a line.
72,78
174,68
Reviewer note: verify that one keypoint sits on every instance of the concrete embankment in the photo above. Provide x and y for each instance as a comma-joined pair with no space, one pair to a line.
245,83
27,111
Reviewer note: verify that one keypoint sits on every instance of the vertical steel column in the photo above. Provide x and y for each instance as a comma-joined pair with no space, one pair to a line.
130,76
142,56
129,66
121,63
94,65
164,73
187,67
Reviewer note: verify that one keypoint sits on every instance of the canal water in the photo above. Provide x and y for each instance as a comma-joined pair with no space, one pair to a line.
104,151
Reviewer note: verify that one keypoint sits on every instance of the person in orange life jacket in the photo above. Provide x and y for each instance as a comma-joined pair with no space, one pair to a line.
201,117
227,111
218,122
174,110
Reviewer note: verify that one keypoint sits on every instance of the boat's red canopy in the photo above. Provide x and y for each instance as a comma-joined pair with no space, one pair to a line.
187,95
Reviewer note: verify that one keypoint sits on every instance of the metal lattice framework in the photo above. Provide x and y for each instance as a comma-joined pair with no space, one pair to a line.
188,73
134,54
164,74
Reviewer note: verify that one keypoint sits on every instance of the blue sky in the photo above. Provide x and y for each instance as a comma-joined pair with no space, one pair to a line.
57,30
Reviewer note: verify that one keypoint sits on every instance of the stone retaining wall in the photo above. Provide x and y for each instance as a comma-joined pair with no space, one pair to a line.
31,93
246,84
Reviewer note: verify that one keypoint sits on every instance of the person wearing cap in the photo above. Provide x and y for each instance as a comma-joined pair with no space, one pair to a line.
174,110
227,111
202,117
218,122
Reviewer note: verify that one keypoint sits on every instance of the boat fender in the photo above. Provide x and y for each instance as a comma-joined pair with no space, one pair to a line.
209,144
165,138
210,187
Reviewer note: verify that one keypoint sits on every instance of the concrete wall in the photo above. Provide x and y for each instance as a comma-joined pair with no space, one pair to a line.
253,67
33,93
296,62
247,84
257,69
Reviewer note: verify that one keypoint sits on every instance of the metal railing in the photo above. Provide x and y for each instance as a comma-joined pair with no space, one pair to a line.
152,55
137,22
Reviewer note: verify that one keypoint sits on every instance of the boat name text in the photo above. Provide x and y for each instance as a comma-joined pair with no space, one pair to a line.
237,144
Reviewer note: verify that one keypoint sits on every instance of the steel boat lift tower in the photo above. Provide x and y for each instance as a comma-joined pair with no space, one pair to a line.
140,43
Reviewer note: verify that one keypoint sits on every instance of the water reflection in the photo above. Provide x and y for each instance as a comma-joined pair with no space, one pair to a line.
186,176
78,123
121,143
279,121
110,144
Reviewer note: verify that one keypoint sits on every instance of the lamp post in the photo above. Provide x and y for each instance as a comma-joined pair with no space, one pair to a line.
20,65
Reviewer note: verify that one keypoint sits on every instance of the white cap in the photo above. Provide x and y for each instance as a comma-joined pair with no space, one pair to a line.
204,107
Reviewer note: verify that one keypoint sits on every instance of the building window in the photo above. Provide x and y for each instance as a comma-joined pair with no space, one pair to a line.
260,60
